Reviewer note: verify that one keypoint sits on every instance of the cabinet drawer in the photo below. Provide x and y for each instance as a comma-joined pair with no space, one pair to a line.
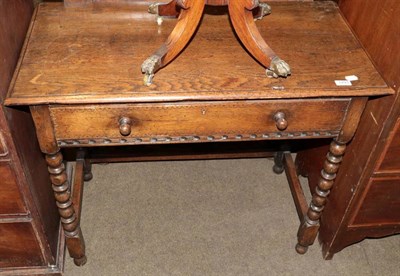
11,201
19,246
199,120
380,204
3,146
390,160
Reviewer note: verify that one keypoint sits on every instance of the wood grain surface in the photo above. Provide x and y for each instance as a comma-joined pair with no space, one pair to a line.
21,252
390,160
93,55
11,201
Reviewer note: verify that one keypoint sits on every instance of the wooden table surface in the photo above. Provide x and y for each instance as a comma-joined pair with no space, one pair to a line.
81,77
94,54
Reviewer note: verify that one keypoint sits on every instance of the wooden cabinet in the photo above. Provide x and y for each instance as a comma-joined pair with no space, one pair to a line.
29,223
11,201
366,199
19,247
370,210
390,159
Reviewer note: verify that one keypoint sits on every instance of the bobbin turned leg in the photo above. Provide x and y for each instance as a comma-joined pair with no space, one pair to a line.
69,219
310,224
59,180
189,19
242,18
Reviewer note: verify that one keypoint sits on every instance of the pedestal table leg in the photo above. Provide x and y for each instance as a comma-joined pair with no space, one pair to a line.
242,18
189,19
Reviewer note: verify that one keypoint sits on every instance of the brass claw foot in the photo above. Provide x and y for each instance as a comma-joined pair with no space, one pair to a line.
149,67
278,68
170,9
153,8
264,10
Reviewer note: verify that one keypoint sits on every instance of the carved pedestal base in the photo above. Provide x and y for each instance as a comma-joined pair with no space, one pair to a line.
189,12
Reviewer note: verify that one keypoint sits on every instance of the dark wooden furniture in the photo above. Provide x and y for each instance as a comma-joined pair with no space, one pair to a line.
366,199
86,92
29,223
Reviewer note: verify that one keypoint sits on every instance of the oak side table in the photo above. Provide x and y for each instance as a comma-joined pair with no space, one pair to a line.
80,74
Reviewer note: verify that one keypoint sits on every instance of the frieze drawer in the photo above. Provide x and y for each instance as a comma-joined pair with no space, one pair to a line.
197,121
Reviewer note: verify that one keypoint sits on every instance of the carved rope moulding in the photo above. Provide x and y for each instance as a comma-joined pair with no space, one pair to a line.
194,138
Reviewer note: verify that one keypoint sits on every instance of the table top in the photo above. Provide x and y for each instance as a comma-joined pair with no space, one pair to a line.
94,55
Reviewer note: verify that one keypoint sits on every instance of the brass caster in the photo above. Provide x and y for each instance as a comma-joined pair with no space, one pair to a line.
149,67
278,68
265,10
153,8
148,79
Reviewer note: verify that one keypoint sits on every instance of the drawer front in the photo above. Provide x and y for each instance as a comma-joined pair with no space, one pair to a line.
19,246
391,156
3,146
11,201
380,204
200,121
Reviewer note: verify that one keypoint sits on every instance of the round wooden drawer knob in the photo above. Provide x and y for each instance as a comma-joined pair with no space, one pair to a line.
125,126
280,120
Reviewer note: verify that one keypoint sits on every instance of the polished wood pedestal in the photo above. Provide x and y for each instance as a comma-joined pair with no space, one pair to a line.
242,14
87,92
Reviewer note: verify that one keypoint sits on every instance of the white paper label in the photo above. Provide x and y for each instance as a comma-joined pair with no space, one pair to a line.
352,78
343,83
